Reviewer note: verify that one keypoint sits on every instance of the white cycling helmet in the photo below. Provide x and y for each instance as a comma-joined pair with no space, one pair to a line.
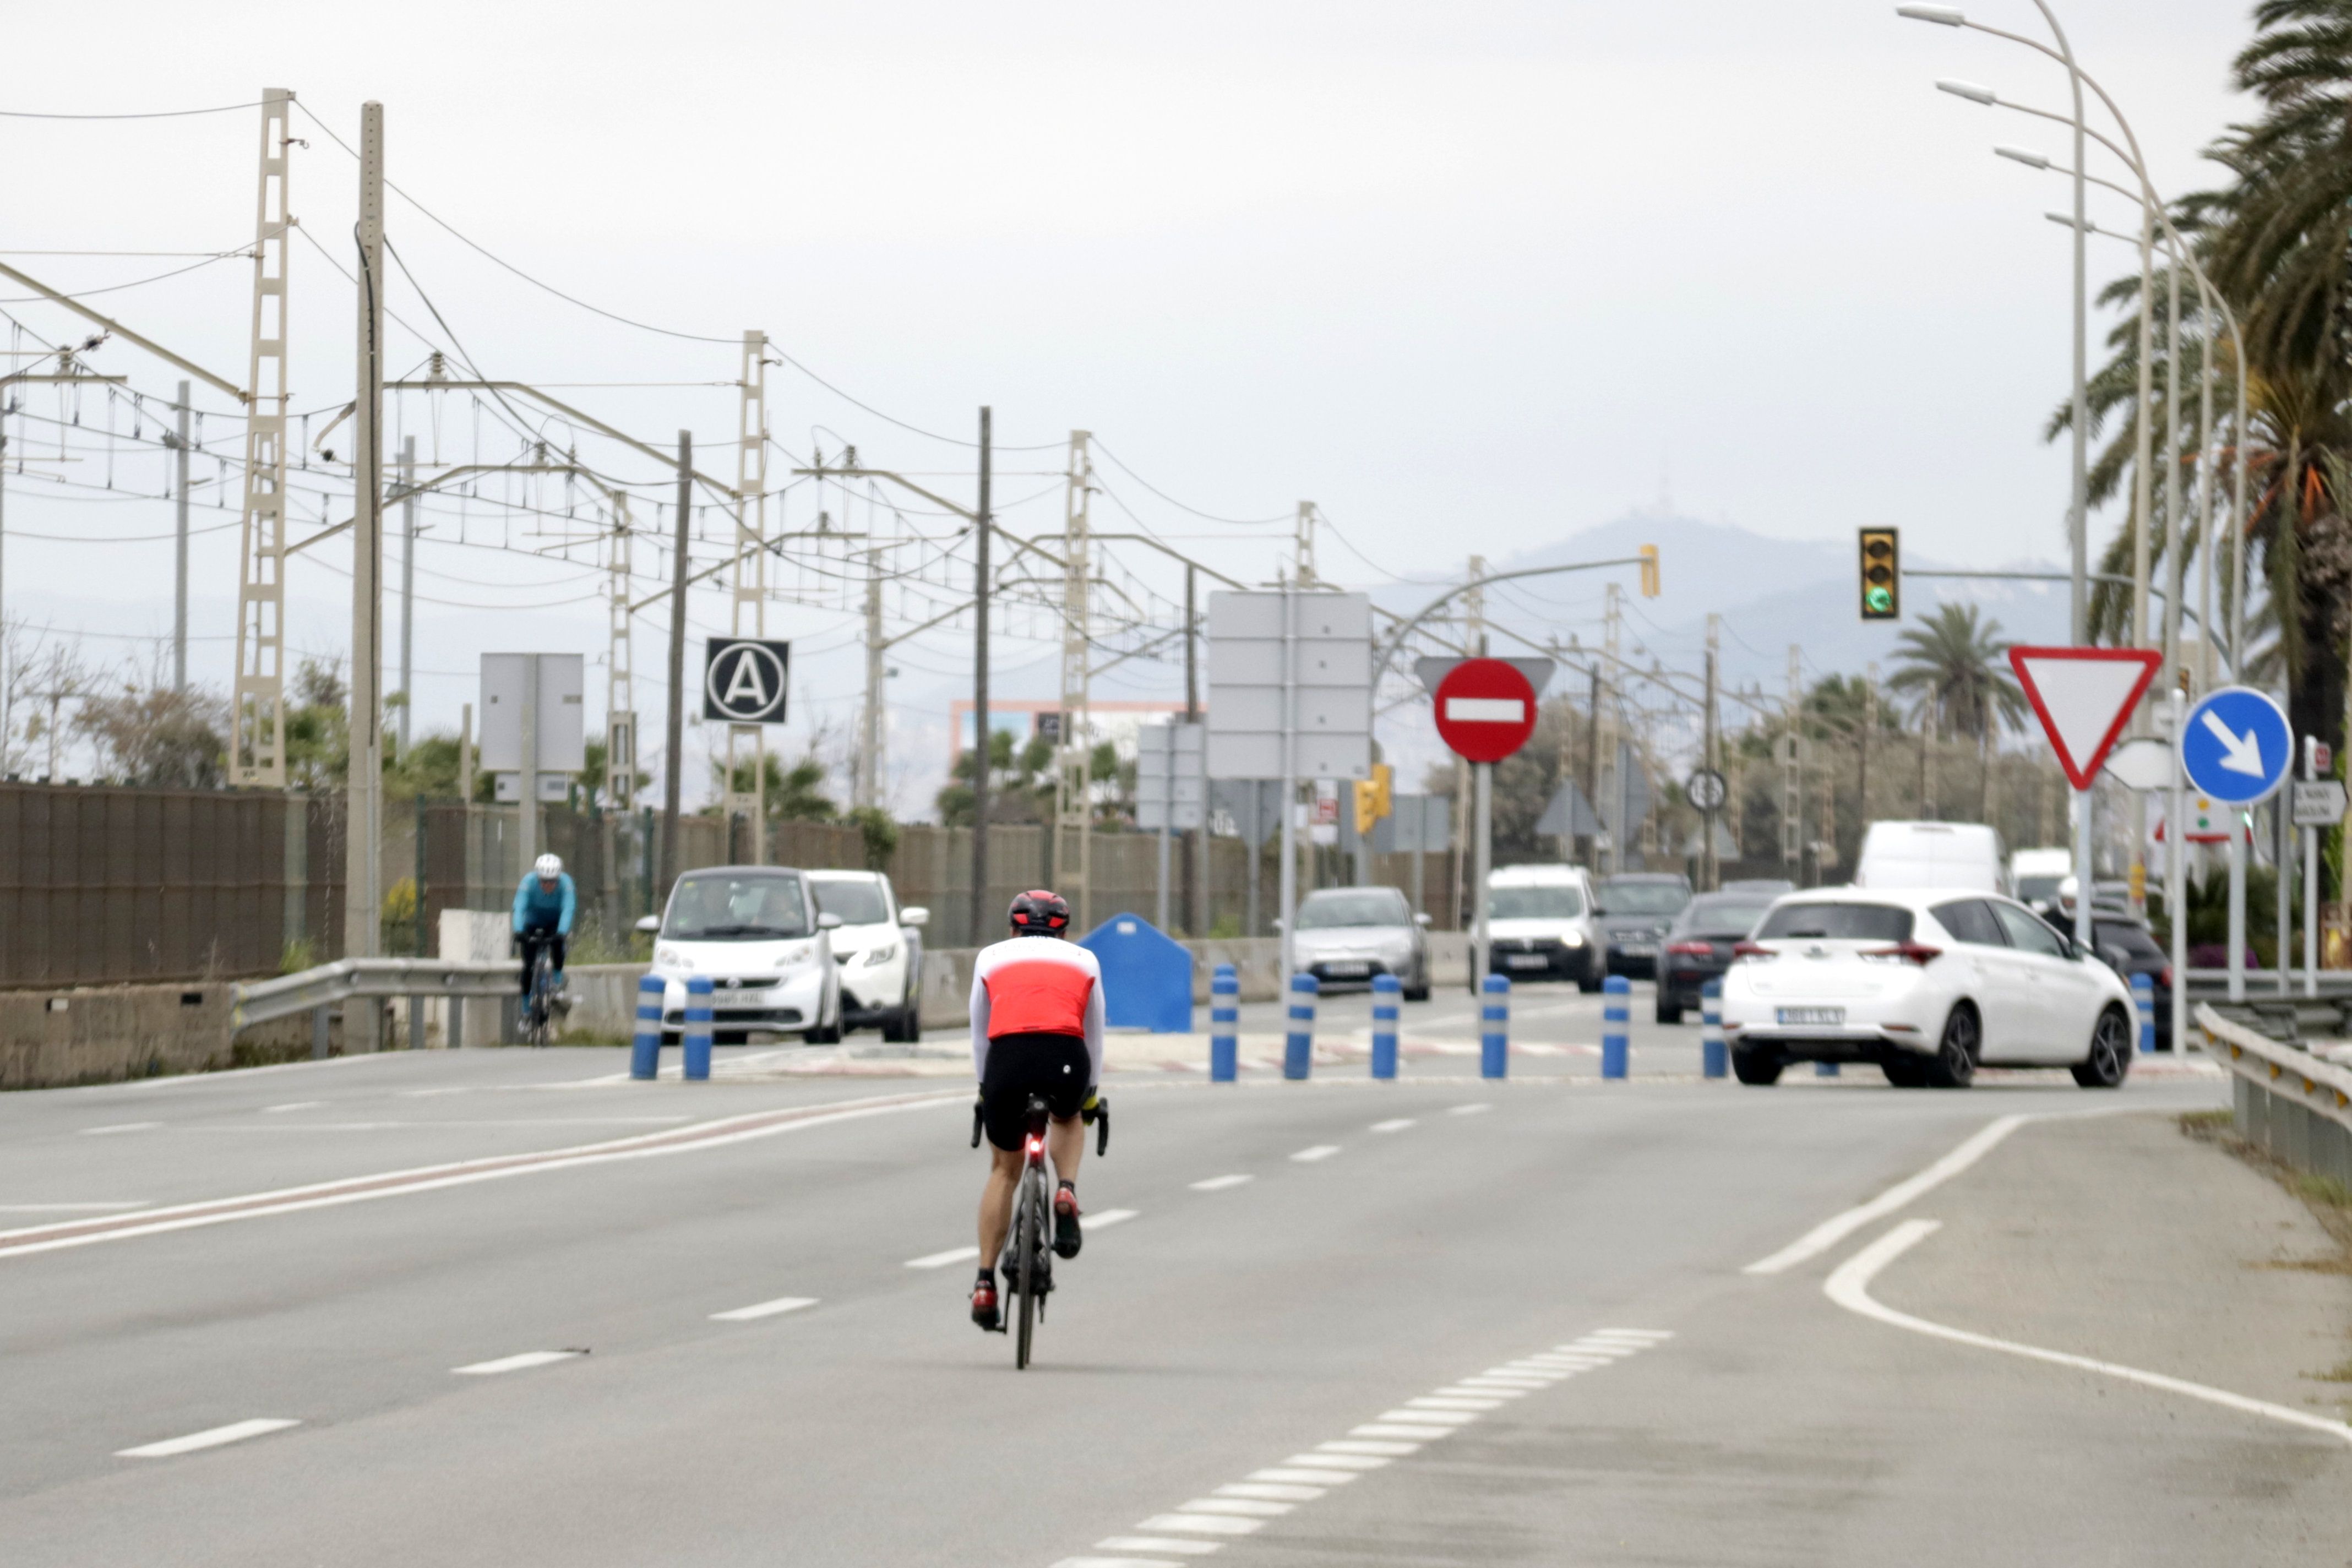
548,868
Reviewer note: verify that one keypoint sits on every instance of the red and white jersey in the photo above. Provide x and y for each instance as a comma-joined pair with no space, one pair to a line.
1036,985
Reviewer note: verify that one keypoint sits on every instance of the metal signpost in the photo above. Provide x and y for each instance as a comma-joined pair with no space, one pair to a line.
2084,697
1485,710
2318,802
745,684
532,708
1168,792
1290,698
1707,790
2237,747
1255,807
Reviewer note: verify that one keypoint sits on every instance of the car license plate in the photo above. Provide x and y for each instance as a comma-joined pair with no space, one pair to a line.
1339,970
1833,1017
1637,949
1526,961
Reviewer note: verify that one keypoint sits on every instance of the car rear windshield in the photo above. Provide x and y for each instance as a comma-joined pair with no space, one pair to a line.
2126,937
1844,922
1552,903
1326,912
736,906
1722,917
858,903
1642,898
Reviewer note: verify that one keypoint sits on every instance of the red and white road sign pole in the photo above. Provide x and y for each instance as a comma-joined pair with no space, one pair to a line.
2084,697
1486,710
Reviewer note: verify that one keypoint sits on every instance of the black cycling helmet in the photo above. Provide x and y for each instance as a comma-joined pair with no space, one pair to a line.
1040,911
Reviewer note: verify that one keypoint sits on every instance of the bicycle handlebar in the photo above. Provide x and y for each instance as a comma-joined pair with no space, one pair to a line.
1101,1117
975,1123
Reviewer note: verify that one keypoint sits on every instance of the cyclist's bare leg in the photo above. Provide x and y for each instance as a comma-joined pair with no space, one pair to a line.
996,1202
1065,1140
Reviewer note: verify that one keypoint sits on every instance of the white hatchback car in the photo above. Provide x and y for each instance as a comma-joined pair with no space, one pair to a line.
756,932
878,948
1927,983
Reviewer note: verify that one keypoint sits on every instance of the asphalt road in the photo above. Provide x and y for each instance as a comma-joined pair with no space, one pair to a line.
515,1312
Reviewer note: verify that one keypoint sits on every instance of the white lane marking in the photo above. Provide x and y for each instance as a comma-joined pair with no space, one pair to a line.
1333,1455
764,1309
1837,1228
1521,1381
298,1105
1205,1523
1417,1432
1453,1402
1243,1508
1299,1476
1270,1491
515,1363
721,1133
1473,1109
1118,1563
1647,1336
1109,1218
1158,1543
1848,1286
74,1208
1483,1388
389,1126
1219,1183
1383,1450
942,1259
1319,1152
234,1432
1394,1124
1431,1417
120,1127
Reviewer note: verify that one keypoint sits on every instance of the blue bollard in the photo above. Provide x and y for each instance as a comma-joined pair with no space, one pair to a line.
1225,1023
1825,1069
1494,1027
1387,989
697,1036
1615,1015
1711,1054
1298,1046
2143,986
645,1050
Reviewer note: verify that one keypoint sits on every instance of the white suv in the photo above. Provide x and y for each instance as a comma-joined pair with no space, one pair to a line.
1539,926
878,948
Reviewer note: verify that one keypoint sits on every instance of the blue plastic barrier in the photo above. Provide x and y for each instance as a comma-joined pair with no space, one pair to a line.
645,1050
1387,989
1495,1026
697,1036
1615,1016
1146,975
1298,1046
1825,1069
1711,1052
2143,986
1225,1023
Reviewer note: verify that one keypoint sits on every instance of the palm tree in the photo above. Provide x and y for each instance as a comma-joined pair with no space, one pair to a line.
1959,670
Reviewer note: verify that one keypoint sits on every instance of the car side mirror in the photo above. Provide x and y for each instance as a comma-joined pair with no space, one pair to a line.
828,923
916,916
650,925
1277,922
1422,920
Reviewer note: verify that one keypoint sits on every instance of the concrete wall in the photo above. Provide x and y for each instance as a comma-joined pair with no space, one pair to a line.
49,1039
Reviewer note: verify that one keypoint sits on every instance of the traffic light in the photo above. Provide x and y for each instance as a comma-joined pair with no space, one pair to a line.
1649,571
1881,576
1373,799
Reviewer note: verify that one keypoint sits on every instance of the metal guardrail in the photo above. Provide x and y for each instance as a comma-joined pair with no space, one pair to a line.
316,991
2296,1105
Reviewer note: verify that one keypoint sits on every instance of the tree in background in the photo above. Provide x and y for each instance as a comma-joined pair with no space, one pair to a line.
157,737
792,794
317,729
1957,667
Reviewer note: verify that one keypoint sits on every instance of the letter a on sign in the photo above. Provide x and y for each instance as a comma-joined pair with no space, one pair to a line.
744,680
2084,697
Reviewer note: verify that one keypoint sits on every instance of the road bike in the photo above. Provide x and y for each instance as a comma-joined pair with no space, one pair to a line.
539,999
1028,1261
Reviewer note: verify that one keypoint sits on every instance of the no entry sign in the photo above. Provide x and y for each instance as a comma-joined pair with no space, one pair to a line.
1485,710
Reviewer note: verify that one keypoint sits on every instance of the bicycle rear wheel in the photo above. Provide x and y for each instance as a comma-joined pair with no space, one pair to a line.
1029,1247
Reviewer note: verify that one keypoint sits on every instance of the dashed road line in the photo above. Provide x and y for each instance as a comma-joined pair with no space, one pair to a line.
296,1105
1205,1525
942,1259
515,1363
1319,1152
213,1437
763,1309
1394,1124
1109,1218
1473,1109
120,1127
1220,1183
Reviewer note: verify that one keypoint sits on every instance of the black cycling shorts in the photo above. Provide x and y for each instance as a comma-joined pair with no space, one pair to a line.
1055,1066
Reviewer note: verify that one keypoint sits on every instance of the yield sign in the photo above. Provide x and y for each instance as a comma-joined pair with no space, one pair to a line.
2084,697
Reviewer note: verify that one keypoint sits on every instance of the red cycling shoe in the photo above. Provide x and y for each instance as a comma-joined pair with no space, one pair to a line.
1066,1239
983,1306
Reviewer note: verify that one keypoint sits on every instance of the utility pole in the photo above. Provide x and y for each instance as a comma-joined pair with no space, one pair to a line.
1473,643
1869,726
620,670
362,824
179,543
1074,756
1710,868
747,744
1611,785
868,792
981,527
257,737
407,586
1200,860
1792,806
1305,545
674,725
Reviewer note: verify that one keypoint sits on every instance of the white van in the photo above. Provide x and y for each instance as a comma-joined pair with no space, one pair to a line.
2034,875
1933,855
1539,925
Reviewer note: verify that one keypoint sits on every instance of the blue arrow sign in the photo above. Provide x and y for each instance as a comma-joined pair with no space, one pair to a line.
2236,745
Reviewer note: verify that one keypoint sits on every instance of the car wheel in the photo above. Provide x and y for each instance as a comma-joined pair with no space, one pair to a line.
1418,990
1588,979
1906,1071
1669,1012
1955,1063
1758,1065
2110,1057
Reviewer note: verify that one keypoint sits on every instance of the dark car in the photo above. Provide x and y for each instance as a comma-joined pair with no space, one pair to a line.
2129,948
1698,946
1636,909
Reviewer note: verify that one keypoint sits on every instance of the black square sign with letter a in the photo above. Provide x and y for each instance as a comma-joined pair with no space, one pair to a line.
744,680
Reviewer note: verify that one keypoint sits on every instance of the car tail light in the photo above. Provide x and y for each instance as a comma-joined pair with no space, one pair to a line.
1911,952
1692,949
1751,950
2164,978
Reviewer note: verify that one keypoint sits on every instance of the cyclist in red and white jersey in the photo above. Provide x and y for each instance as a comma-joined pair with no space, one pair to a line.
1037,1029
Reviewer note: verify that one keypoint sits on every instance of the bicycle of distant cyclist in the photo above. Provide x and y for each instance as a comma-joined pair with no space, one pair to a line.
538,1003
1028,1261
